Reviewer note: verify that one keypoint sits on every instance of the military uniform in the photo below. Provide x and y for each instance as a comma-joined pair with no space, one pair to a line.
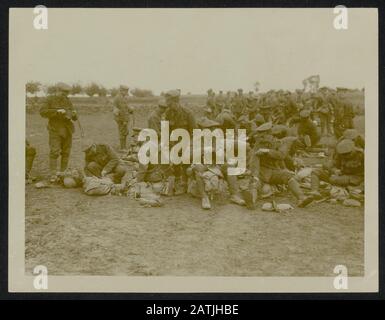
101,160
226,120
201,172
350,165
239,106
348,116
269,163
155,118
60,127
123,116
220,102
179,117
306,128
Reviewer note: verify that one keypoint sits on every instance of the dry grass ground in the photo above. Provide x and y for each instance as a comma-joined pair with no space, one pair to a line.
75,234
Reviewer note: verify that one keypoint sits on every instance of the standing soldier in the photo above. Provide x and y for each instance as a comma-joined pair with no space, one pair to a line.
179,117
348,115
220,102
338,112
239,104
123,115
210,102
155,118
325,112
60,113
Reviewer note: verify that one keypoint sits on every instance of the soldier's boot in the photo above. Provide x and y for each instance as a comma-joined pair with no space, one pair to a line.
206,202
315,186
234,191
53,170
295,189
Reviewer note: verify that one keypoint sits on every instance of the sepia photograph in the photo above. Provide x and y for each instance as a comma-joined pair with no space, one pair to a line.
193,149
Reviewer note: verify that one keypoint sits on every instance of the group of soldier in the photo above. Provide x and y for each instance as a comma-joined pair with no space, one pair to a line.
281,128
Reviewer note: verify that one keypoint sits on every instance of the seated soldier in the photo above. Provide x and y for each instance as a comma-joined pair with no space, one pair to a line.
307,131
345,169
352,134
269,163
226,119
102,161
207,177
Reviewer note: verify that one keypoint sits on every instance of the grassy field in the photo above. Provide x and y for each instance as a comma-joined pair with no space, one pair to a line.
75,234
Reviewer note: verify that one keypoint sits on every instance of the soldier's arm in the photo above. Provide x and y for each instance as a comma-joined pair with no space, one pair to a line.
47,111
113,162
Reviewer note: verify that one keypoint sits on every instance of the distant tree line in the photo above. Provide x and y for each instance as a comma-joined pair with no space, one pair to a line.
92,89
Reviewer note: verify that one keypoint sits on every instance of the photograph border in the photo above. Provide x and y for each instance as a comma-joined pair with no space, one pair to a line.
4,172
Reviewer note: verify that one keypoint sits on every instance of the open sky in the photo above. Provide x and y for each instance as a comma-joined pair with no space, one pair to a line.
192,49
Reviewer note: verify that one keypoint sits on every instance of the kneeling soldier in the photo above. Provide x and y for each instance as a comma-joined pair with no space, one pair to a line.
102,161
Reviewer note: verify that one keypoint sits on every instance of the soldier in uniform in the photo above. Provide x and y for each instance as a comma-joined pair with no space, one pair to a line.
307,130
239,104
226,119
210,102
155,118
220,102
179,117
60,113
324,109
345,169
202,174
269,163
348,115
123,114
102,161
265,112
352,134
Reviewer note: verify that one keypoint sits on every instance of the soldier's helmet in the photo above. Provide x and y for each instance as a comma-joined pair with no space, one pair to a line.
345,146
61,86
